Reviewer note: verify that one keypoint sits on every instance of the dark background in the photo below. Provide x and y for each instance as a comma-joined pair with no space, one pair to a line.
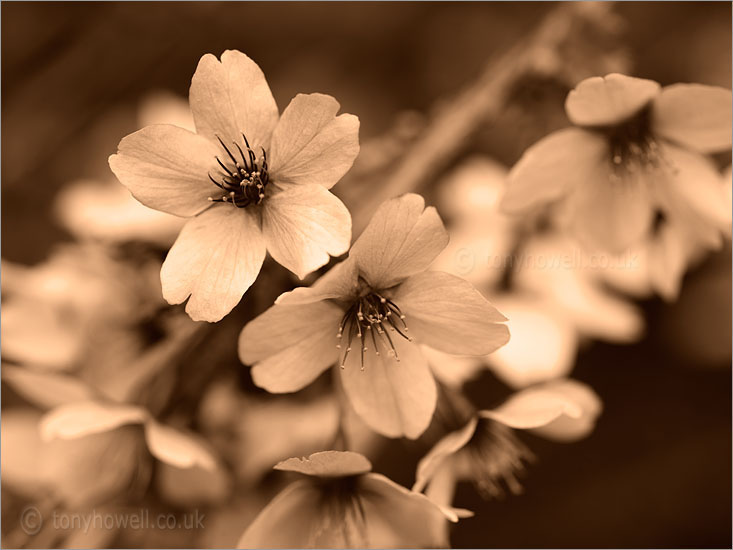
657,470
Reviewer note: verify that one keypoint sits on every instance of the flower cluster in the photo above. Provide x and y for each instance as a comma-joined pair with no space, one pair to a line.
377,347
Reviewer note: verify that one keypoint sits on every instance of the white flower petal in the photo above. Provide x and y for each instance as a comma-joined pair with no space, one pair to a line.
291,345
231,97
694,195
108,212
177,448
450,315
166,168
302,225
74,420
311,145
340,282
399,518
572,427
453,370
543,344
534,407
603,101
327,464
291,520
695,116
557,164
215,259
608,214
394,398
46,389
402,238
34,332
441,451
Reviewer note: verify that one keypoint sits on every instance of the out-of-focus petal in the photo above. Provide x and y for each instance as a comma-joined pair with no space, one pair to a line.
109,213
177,448
394,398
608,100
290,345
399,518
302,225
557,164
542,346
693,193
571,427
694,116
610,215
46,390
74,420
327,464
290,520
450,315
163,107
232,97
441,451
215,259
453,370
402,238
340,282
35,333
22,451
534,407
311,145
166,168
473,189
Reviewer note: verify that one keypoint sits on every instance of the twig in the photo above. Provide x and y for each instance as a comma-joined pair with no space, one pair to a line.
484,99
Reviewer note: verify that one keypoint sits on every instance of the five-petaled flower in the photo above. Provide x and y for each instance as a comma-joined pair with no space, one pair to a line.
340,503
368,315
637,154
248,179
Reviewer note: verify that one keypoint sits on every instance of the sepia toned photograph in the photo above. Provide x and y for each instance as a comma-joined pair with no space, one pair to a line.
366,275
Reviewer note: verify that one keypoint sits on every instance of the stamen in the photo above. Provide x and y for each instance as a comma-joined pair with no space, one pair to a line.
372,313
244,184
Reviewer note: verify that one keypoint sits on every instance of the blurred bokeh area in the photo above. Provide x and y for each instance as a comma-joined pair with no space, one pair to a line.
77,77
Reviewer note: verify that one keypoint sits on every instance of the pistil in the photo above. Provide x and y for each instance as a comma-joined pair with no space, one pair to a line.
241,182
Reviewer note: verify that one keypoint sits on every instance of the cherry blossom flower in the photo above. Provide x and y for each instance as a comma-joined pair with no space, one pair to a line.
249,180
340,503
368,315
486,451
636,154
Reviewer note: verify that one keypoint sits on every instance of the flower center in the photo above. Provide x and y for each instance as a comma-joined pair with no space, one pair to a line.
632,145
371,317
496,457
242,183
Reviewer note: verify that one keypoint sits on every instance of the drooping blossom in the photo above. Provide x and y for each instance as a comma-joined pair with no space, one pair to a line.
636,155
340,503
368,315
485,450
249,180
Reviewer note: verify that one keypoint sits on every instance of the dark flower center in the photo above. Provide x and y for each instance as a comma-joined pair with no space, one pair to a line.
372,317
496,456
632,144
341,511
242,183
